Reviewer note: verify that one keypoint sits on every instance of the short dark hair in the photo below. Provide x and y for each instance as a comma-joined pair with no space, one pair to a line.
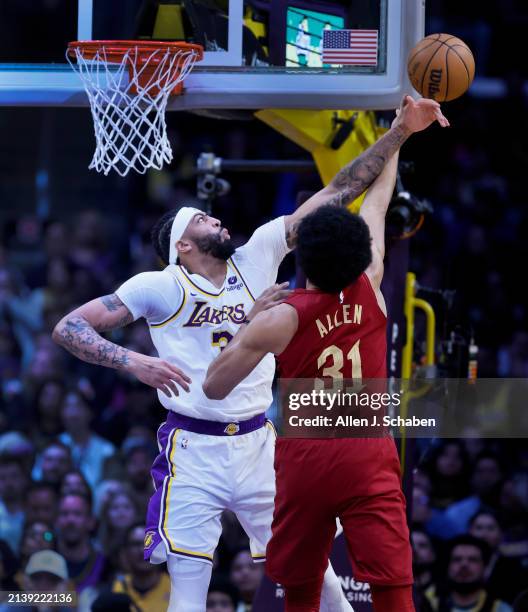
58,444
221,585
7,459
37,486
485,511
160,235
333,247
469,540
128,531
86,499
488,454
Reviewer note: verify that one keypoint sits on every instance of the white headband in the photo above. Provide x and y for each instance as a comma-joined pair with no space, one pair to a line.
179,225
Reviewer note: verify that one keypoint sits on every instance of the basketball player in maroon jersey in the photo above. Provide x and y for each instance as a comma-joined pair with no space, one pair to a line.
318,480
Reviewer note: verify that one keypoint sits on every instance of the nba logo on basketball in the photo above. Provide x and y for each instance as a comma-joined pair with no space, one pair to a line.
232,280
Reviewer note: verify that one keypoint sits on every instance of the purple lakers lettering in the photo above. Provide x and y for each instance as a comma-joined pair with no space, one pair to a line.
204,314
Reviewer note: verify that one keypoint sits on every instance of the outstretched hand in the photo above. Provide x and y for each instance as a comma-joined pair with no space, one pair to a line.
417,115
159,374
276,294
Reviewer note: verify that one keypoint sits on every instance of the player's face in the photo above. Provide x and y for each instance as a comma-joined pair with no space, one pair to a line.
202,225
210,237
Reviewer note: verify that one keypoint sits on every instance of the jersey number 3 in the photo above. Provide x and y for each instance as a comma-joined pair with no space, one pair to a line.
334,369
221,339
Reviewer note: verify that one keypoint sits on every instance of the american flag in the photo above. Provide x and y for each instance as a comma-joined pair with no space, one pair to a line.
359,47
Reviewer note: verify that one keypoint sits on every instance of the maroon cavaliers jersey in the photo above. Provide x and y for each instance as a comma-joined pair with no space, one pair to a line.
339,335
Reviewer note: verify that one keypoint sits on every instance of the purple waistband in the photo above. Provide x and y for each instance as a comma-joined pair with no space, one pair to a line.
215,428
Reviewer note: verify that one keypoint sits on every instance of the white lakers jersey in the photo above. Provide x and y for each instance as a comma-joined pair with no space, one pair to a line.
191,320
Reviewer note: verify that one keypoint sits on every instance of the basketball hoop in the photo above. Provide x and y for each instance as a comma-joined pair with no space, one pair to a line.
128,83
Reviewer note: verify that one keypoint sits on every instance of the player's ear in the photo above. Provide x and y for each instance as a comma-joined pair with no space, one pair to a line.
183,246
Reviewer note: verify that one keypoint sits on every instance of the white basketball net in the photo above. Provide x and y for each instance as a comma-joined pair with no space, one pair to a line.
129,116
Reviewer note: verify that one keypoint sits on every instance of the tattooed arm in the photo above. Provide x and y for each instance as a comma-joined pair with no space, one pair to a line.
78,333
352,180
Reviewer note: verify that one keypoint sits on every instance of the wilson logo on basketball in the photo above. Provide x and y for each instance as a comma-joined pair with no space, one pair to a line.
435,80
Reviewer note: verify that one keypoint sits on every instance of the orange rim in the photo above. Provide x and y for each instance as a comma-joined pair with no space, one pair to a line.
115,50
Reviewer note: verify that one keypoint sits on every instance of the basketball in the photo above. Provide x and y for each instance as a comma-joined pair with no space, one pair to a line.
441,67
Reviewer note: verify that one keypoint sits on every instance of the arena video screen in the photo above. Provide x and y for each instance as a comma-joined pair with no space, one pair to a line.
304,36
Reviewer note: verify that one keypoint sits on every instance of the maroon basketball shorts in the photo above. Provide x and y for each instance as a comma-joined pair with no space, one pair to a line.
357,480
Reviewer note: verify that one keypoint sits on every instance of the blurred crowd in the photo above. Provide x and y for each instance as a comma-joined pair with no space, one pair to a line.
469,525
77,442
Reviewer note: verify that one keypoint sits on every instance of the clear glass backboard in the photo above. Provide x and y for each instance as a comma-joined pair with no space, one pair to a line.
258,53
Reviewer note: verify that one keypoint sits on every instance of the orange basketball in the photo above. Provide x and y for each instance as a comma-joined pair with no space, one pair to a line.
441,67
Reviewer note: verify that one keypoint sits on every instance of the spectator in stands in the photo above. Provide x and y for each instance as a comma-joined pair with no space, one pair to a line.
46,572
449,473
104,491
54,463
13,486
465,590
514,514
56,295
20,312
119,512
505,577
74,527
74,483
89,451
47,423
485,484
222,596
19,447
424,558
432,520
246,576
8,569
46,363
139,455
146,584
41,503
37,536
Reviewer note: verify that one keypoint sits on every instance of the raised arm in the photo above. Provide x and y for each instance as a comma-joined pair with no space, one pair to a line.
373,210
269,332
352,180
78,333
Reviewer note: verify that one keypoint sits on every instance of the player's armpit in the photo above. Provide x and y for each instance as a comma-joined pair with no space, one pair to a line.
269,332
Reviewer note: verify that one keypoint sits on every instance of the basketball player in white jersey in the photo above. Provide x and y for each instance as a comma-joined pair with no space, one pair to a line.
214,455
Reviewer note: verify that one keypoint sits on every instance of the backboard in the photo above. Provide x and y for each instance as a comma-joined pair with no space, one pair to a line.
326,54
